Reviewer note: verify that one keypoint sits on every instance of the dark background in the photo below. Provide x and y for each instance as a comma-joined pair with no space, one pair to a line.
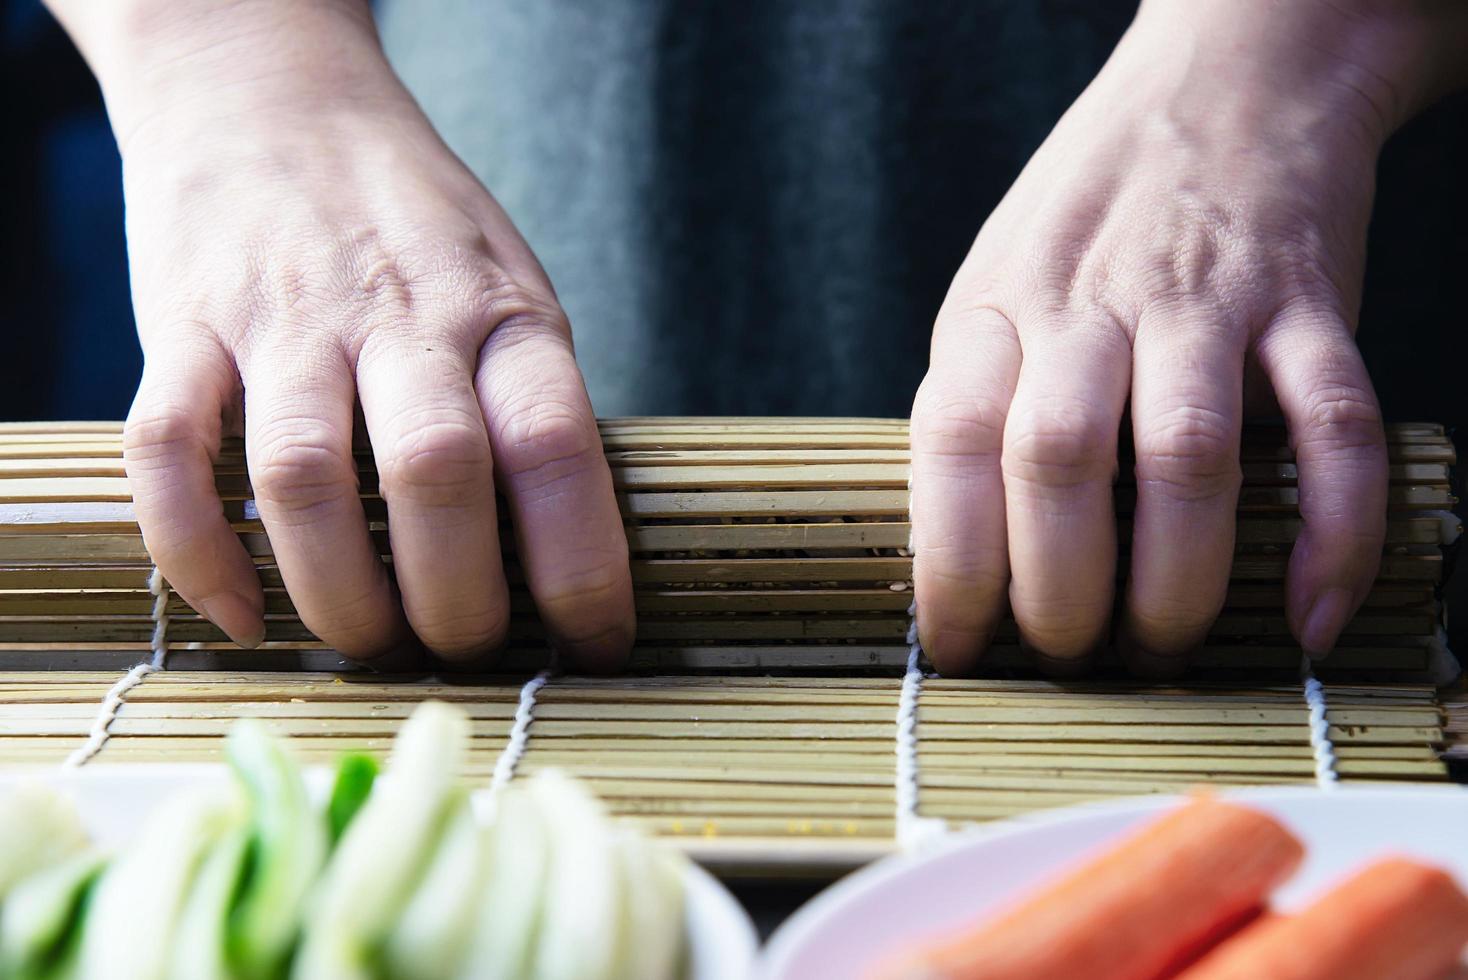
64,303
66,319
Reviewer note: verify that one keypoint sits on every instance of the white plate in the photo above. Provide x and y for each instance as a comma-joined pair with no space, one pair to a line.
908,898
114,800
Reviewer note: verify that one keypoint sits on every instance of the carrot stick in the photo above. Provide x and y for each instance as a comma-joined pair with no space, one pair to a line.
1396,920
1130,914
1185,959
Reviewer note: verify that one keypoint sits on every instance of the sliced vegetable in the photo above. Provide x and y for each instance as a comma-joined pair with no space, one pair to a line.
379,860
41,919
1396,920
133,917
355,774
241,882
652,908
511,901
582,938
287,847
200,950
38,828
432,936
1128,914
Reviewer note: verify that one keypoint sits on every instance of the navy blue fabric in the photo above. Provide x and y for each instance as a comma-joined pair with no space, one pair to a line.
65,316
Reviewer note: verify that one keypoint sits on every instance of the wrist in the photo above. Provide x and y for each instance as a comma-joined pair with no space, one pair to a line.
1361,65
199,63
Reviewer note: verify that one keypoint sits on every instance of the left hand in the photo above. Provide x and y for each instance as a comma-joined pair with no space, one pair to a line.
1204,203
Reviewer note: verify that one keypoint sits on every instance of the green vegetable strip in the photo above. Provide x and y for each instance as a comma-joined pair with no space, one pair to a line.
433,933
512,898
651,907
38,828
42,917
581,931
131,923
245,885
288,846
385,849
199,953
355,774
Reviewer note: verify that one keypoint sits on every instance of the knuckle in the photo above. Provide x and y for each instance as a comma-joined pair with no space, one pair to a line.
298,469
1056,448
444,462
158,434
508,304
1344,417
1191,452
948,423
546,442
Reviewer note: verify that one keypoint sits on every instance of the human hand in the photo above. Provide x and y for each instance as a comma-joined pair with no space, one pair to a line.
299,237
1203,204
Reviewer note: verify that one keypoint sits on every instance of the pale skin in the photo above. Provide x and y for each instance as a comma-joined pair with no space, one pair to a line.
301,240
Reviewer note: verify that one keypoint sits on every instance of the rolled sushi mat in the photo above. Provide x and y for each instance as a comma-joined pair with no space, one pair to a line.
757,544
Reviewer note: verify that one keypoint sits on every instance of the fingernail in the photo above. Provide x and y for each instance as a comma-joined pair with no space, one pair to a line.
1325,620
237,616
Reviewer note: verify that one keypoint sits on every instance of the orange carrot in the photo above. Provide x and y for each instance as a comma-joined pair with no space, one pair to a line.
1396,920
1142,907
1187,958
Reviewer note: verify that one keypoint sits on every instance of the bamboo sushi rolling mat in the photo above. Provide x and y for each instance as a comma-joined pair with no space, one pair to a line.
759,721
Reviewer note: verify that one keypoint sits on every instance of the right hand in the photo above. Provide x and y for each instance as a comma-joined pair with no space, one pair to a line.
301,239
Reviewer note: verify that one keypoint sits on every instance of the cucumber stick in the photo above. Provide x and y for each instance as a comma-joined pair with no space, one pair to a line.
433,933
41,916
288,842
38,828
384,851
134,913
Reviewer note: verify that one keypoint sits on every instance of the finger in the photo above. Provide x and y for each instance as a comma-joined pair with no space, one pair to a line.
1059,466
1187,403
550,467
1340,452
298,435
169,445
435,473
960,545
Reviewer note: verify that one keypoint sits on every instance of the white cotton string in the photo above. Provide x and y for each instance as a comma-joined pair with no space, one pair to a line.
913,830
1321,746
117,694
159,587
98,736
504,767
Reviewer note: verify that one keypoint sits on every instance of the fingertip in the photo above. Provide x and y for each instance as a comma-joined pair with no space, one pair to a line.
1061,667
954,652
476,636
1149,664
240,616
604,653
1324,621
404,656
